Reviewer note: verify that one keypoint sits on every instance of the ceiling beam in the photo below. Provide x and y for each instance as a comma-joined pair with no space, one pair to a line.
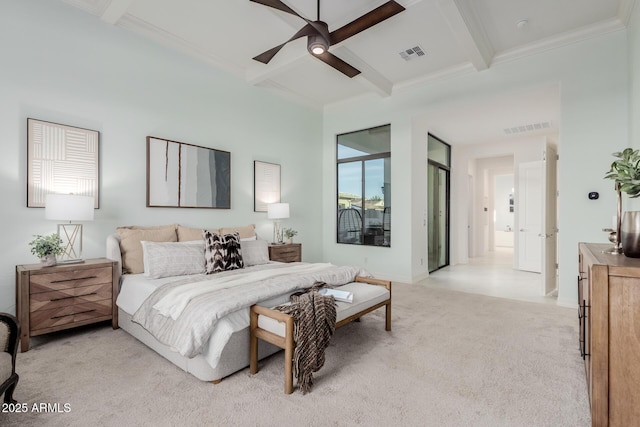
368,75
468,30
115,10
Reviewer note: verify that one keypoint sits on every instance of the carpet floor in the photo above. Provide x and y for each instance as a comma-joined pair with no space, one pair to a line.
452,359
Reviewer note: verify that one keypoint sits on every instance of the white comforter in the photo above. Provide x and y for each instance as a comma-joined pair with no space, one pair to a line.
203,303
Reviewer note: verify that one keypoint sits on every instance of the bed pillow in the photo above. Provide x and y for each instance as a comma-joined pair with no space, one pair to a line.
189,234
222,252
131,248
255,252
247,232
166,259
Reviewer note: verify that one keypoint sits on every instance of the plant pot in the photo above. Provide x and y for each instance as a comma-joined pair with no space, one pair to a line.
630,234
290,240
48,260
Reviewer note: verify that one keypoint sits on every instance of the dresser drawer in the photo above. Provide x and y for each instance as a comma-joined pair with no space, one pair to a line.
42,319
71,296
69,279
286,253
286,256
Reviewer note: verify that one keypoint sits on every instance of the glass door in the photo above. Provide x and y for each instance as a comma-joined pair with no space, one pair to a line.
438,203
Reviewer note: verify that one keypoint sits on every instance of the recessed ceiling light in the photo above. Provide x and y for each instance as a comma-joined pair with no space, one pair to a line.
522,23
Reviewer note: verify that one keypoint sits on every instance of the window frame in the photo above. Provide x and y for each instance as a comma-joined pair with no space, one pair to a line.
362,160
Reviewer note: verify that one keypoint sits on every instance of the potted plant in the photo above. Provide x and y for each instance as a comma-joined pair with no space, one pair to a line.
46,248
625,172
289,233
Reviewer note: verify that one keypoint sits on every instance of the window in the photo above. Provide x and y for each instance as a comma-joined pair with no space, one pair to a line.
364,187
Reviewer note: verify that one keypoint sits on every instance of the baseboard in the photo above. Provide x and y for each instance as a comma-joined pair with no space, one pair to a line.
569,303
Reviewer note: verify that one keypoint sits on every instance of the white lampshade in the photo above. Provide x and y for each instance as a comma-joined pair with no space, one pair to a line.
278,210
68,207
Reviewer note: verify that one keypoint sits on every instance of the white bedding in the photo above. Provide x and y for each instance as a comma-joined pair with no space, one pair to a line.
136,288
190,333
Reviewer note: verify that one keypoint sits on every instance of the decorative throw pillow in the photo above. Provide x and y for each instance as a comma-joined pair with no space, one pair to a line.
213,252
186,234
222,252
131,248
166,259
246,232
255,252
233,257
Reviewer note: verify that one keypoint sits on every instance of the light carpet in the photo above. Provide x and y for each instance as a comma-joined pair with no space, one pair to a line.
452,359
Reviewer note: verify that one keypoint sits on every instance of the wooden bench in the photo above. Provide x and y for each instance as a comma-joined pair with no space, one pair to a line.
276,327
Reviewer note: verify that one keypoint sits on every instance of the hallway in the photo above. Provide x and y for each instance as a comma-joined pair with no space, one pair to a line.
491,275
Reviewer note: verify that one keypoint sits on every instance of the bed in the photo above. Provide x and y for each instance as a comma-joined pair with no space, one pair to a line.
222,346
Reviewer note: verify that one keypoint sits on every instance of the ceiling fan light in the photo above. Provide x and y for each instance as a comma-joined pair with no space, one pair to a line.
317,45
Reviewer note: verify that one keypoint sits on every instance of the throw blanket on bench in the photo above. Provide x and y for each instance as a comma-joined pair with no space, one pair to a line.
314,317
192,327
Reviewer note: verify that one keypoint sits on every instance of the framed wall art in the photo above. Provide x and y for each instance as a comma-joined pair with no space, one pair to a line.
266,185
181,175
61,159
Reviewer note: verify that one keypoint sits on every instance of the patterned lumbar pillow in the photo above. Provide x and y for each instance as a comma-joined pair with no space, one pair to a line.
222,252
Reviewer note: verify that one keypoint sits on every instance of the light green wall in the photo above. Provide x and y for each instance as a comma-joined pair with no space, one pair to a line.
634,75
593,80
62,65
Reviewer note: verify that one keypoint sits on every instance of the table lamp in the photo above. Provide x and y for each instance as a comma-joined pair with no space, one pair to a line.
69,207
277,211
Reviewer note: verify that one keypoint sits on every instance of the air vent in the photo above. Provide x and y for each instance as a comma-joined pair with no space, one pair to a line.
527,128
412,53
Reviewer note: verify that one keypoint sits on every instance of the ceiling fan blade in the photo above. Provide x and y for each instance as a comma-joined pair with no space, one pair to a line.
338,64
367,20
266,56
277,4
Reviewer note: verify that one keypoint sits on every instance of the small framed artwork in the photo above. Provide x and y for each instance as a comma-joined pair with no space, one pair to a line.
266,185
61,159
181,175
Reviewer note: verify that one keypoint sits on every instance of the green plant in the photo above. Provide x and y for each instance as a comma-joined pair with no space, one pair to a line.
289,232
42,246
625,172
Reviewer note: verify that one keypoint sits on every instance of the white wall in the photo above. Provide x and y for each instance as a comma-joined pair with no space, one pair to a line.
62,65
593,79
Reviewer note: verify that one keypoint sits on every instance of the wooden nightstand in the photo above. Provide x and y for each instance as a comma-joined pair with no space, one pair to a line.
289,252
50,299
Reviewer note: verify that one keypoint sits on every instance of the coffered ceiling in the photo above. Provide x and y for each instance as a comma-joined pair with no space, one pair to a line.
455,36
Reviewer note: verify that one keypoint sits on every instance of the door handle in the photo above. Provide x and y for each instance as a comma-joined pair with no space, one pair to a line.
545,236
522,229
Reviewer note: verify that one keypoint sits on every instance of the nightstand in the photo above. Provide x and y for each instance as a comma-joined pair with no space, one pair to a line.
289,252
65,296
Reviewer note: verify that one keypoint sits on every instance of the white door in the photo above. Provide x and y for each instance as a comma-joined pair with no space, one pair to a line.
549,235
530,208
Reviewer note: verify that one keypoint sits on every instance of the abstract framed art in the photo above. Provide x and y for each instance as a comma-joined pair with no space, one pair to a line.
266,185
181,175
61,160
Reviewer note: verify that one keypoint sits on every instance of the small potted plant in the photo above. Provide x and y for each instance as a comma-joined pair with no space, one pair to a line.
289,233
46,248
625,172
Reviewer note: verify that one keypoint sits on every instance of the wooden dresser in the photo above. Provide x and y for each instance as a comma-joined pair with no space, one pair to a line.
50,299
289,252
609,315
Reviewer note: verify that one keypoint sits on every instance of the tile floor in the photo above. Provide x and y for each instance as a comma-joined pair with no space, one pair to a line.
491,275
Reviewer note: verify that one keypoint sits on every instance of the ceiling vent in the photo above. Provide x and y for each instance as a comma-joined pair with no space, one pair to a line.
412,53
527,128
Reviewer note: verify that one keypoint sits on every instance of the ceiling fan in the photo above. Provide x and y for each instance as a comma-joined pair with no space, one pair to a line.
319,39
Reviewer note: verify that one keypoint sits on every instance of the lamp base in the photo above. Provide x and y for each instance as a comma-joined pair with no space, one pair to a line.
71,235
